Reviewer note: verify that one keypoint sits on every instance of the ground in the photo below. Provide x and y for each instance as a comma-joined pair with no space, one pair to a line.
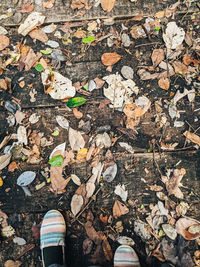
152,139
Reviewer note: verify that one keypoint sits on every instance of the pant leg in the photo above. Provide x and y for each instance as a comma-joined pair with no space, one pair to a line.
56,265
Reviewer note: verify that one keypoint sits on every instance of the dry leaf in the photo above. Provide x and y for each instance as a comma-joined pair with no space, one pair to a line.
173,36
76,204
155,188
39,35
22,84
160,14
76,179
87,246
80,34
164,83
104,219
106,246
19,116
107,5
77,113
120,191
11,263
22,135
92,233
58,183
76,139
109,59
3,84
27,7
12,166
31,59
3,219
157,56
180,68
183,226
4,41
119,209
173,183
48,4
192,137
4,161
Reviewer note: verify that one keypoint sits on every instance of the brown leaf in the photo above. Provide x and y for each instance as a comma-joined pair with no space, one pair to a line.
27,7
3,219
104,219
183,225
164,83
106,246
92,233
155,188
179,67
160,14
76,139
87,246
187,60
90,152
77,113
11,263
3,84
107,5
31,59
22,84
39,35
12,166
157,56
109,59
36,231
99,83
76,204
138,17
173,183
58,183
48,4
4,41
80,34
192,137
119,209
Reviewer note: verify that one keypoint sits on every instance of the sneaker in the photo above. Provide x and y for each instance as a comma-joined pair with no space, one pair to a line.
52,238
125,256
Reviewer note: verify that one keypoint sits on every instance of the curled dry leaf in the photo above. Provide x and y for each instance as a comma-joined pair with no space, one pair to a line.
12,166
192,137
76,204
184,228
119,209
77,113
120,191
109,59
27,7
107,5
180,68
110,173
39,35
76,139
157,56
106,247
3,219
164,83
173,36
92,233
4,41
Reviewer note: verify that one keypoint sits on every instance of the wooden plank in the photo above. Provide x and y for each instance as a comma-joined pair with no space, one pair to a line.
63,11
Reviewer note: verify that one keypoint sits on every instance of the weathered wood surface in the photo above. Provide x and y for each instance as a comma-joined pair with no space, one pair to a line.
63,11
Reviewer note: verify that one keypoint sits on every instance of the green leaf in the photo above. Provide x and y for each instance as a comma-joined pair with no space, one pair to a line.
149,150
76,102
55,133
56,161
39,67
86,86
160,234
157,29
89,39
142,206
46,52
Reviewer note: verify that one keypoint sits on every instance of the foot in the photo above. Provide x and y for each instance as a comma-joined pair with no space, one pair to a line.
125,256
52,238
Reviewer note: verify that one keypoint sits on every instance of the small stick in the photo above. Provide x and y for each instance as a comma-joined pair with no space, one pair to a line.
147,44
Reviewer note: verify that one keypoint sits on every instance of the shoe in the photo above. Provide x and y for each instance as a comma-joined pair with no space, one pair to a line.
125,256
52,238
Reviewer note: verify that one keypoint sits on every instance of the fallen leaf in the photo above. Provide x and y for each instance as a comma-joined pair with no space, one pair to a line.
87,246
22,135
60,86
27,7
32,21
39,35
80,34
168,146
92,233
75,179
164,83
104,219
19,241
30,59
169,231
11,263
76,139
48,4
4,41
77,113
76,204
3,219
56,161
192,137
157,56
12,166
4,161
107,5
183,225
106,247
36,231
125,240
180,68
82,153
3,84
109,59
173,36
120,191
119,209
155,188
160,14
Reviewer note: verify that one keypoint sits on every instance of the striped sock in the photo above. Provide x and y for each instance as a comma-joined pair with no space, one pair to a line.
125,256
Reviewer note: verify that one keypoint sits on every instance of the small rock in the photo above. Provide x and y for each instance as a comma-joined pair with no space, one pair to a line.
126,40
142,230
52,44
127,72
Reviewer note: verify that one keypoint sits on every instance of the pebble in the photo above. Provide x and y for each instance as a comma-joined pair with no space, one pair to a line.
126,40
52,44
127,72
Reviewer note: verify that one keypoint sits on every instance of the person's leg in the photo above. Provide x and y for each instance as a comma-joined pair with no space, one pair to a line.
52,239
125,256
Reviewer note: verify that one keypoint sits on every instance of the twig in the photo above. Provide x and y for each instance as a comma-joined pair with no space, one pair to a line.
147,44
88,204
156,163
103,37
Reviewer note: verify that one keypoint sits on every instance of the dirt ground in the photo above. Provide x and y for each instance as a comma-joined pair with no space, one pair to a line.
150,150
